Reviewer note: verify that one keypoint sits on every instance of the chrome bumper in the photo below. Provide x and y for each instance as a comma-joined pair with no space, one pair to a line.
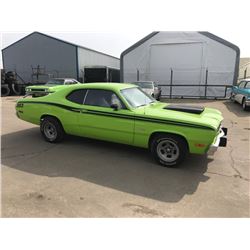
220,141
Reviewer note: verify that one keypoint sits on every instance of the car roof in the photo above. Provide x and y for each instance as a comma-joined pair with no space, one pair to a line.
62,79
247,79
103,85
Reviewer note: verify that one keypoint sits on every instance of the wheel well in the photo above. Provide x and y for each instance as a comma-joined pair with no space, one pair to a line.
165,133
43,116
243,98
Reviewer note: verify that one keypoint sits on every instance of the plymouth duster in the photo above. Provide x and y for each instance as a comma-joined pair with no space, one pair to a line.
123,113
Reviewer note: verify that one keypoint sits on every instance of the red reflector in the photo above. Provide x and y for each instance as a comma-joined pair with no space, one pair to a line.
200,145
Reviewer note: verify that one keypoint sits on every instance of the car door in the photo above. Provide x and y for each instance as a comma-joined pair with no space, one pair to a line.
74,102
98,120
240,92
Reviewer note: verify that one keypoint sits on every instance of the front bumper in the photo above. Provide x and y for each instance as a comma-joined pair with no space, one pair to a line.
220,141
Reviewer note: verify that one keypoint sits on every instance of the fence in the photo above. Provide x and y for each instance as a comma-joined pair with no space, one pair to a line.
188,83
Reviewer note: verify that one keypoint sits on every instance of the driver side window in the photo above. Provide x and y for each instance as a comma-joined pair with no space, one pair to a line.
102,98
242,84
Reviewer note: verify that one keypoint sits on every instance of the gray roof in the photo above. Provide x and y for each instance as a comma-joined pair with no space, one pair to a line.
60,40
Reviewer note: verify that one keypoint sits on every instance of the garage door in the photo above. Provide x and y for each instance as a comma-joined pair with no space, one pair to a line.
185,60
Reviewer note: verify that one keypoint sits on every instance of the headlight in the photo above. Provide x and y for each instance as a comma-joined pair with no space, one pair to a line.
28,89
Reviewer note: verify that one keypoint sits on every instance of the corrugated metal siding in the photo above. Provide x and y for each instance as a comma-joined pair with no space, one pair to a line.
57,57
91,58
244,70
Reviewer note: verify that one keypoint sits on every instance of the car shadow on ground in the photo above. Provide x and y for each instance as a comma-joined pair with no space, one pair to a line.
116,166
236,108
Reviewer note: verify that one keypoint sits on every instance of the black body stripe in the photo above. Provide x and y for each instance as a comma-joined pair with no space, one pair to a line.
139,118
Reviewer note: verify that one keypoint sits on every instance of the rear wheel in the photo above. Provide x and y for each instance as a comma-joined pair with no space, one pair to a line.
244,106
168,150
51,129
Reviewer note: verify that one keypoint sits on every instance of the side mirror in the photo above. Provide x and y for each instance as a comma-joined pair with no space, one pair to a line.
114,106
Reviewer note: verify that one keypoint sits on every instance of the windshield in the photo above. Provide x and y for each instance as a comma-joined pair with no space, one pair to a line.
136,97
144,85
55,82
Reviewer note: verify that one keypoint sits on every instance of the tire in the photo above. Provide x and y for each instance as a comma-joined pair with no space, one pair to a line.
5,91
51,129
17,90
168,150
232,98
159,96
244,106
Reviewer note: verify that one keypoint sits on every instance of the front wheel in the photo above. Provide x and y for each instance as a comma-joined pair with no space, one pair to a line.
168,150
51,129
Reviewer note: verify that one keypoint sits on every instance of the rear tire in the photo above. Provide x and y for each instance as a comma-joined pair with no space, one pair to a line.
168,150
244,106
51,129
232,98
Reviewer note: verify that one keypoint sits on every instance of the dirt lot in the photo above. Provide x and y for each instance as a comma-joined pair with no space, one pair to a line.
88,178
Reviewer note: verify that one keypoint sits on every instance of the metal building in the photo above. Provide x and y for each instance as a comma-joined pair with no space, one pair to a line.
244,68
38,57
186,64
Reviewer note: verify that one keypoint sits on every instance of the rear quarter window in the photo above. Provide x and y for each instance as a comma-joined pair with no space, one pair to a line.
77,96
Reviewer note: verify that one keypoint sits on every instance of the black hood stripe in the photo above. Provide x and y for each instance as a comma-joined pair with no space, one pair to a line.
122,116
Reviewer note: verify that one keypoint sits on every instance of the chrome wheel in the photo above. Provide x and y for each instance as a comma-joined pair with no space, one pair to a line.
49,130
168,150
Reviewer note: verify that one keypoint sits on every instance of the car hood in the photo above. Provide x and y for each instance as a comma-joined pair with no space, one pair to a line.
207,117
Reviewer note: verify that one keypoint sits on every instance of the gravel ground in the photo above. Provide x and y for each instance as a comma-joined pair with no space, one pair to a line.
87,178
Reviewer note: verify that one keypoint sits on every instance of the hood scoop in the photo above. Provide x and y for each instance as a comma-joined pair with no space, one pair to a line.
185,108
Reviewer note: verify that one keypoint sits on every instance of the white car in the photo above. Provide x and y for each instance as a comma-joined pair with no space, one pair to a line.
150,87
241,93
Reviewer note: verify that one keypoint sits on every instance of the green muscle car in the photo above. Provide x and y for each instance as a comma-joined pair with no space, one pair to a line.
123,113
50,86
